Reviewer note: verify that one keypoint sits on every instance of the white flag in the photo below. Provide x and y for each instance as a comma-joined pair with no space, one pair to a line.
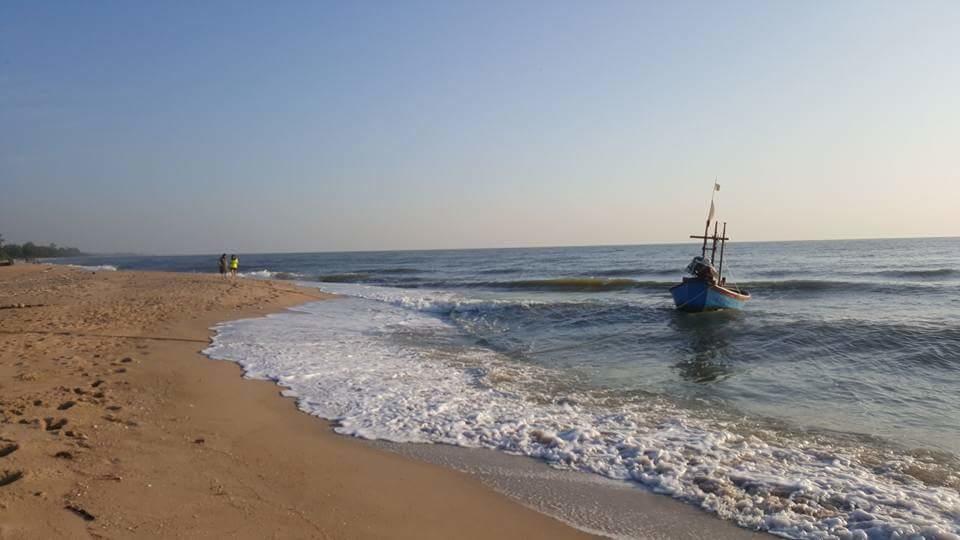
710,215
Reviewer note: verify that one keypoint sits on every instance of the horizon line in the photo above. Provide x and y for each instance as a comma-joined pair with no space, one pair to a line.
492,248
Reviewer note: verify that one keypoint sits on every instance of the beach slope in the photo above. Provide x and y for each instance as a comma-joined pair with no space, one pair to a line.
112,424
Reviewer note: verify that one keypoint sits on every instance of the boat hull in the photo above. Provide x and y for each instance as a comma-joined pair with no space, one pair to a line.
696,295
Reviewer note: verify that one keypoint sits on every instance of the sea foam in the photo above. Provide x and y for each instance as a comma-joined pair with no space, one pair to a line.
384,366
95,268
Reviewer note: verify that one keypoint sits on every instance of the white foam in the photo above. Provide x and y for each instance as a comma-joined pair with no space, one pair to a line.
95,268
269,274
350,360
259,274
422,300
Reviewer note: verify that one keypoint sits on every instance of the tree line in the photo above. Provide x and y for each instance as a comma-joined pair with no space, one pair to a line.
29,250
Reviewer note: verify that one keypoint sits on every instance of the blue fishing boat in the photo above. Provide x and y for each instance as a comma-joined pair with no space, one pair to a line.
706,288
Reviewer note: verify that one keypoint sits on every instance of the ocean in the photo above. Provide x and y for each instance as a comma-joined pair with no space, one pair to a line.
828,408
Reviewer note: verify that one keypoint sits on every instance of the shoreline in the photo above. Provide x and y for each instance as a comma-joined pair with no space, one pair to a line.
589,502
161,452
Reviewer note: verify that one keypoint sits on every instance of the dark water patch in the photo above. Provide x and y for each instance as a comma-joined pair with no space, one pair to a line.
782,273
404,281
350,277
617,272
402,270
500,271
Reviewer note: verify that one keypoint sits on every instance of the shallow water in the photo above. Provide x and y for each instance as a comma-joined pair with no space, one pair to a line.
829,407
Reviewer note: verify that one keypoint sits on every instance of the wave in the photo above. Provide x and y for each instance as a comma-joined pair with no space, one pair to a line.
428,301
345,277
337,366
920,345
270,274
95,268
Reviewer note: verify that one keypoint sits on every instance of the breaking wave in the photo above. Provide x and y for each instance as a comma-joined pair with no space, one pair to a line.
339,364
95,268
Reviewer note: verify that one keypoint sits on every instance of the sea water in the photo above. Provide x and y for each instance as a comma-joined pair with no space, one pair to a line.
828,408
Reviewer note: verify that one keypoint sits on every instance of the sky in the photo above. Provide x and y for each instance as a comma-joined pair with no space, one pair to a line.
208,127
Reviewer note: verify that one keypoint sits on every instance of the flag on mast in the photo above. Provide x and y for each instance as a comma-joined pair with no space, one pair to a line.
716,188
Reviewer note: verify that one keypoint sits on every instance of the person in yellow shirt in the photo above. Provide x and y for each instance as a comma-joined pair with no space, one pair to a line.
234,265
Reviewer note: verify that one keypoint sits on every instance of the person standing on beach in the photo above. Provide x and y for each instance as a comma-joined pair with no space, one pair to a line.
223,265
234,265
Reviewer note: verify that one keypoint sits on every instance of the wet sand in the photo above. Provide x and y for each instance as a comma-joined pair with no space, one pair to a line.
113,425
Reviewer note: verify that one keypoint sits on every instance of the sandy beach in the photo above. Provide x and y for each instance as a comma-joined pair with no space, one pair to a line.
113,425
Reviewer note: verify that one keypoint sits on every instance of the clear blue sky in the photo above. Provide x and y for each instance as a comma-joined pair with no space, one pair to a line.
184,127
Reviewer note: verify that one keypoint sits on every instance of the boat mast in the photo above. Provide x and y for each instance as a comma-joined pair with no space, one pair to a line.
713,250
706,232
723,243
706,228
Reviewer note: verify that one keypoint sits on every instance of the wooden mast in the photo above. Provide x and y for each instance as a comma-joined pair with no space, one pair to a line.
706,237
713,250
723,243
706,229
706,232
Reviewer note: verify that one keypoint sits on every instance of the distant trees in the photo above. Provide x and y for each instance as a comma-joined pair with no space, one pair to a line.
30,250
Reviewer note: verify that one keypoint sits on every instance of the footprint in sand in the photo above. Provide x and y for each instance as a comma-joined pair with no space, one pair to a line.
9,477
51,425
76,509
7,449
66,405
